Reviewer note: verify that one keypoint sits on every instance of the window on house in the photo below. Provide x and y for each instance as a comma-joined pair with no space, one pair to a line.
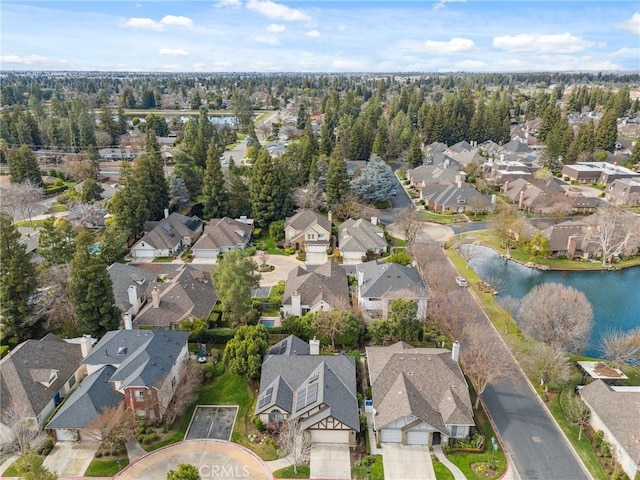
139,395
311,236
72,381
457,431
320,235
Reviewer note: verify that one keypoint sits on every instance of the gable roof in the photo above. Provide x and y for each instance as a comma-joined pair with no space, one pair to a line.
306,219
618,409
360,235
424,382
26,371
123,276
223,233
535,192
168,232
300,385
389,280
189,294
142,358
457,195
444,173
291,345
326,283
559,234
88,401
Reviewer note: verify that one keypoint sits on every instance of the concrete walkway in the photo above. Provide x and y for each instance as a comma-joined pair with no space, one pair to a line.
279,464
134,450
456,472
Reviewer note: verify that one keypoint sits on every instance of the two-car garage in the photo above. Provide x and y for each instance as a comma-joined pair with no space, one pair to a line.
419,435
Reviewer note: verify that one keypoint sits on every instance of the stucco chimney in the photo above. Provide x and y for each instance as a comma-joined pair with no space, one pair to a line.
521,200
155,297
459,181
314,346
455,351
572,243
132,292
330,217
296,306
86,344
166,213
374,220
502,157
360,277
506,186
128,325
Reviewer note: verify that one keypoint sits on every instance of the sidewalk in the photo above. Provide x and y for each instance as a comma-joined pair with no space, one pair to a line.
457,473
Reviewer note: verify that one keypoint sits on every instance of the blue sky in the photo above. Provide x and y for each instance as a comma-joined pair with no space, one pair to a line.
320,35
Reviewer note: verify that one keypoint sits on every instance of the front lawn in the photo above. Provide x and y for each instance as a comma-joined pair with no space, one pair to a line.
442,472
106,468
287,472
427,216
376,470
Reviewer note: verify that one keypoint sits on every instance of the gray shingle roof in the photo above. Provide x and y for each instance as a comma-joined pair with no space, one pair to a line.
434,173
123,276
328,282
168,232
360,235
142,357
305,219
189,294
223,233
21,369
291,345
424,382
321,380
453,196
389,280
87,402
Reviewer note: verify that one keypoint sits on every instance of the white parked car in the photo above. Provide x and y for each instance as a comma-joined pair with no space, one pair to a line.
462,282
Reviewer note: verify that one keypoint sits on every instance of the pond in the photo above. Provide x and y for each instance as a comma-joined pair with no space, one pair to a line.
614,295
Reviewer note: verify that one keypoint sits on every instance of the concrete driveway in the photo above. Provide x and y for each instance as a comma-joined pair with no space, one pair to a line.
406,462
71,458
283,265
330,461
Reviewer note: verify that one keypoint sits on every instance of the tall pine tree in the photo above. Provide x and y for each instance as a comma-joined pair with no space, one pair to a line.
264,190
214,187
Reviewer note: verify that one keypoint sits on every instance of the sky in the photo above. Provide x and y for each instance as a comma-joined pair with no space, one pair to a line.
320,35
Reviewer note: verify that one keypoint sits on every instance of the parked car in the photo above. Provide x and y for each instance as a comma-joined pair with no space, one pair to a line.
462,282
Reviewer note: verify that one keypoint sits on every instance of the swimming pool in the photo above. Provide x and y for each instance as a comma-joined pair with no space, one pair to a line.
267,323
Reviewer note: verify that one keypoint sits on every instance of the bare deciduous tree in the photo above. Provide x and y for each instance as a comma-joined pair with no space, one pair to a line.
79,167
484,359
294,443
467,249
347,207
557,315
55,303
546,364
112,427
21,199
23,428
308,197
508,224
621,347
576,412
87,215
186,392
614,231
406,219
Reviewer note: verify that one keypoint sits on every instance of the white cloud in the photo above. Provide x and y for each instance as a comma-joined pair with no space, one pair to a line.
442,3
455,45
313,34
277,11
627,52
350,65
228,3
632,25
173,51
31,60
275,28
267,40
172,68
541,43
150,24
470,65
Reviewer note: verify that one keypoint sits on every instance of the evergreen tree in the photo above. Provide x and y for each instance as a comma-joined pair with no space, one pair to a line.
239,202
91,191
214,187
23,165
18,282
607,131
56,241
375,183
337,177
634,159
233,279
243,353
264,190
129,206
415,157
91,289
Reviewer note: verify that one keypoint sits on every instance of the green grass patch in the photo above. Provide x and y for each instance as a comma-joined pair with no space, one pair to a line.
376,470
163,260
59,207
583,446
3,350
442,472
398,242
11,471
33,223
633,373
427,216
106,468
303,472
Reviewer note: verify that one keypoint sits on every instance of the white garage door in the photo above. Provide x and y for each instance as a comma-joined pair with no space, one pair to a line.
391,435
66,435
330,436
205,253
317,248
144,253
418,437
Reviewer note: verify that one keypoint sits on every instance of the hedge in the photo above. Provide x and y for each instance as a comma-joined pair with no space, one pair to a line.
55,190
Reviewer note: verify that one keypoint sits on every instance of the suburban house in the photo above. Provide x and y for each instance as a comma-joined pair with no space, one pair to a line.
532,195
358,237
457,198
189,294
323,289
222,235
615,411
420,396
467,157
624,192
297,382
445,173
596,172
168,237
311,232
566,239
36,375
130,286
85,405
145,367
379,284
497,173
